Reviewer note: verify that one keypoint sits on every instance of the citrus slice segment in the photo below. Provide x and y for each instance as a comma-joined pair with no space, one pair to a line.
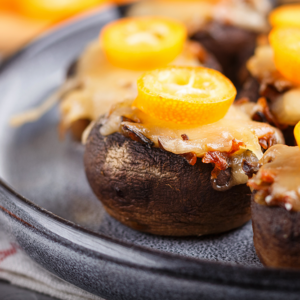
285,16
55,10
285,42
143,43
297,133
185,95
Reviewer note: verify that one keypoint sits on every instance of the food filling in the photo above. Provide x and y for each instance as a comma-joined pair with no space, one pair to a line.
278,181
231,144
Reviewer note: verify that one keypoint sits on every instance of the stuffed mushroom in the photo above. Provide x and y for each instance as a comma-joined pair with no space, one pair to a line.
276,207
174,162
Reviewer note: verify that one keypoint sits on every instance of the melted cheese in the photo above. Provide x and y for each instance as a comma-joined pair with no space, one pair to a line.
286,108
103,85
283,164
218,136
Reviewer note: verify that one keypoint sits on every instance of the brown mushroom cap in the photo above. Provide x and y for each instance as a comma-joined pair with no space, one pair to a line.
155,191
276,235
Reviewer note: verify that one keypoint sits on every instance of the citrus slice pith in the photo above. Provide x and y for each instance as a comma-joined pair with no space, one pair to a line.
143,43
285,16
297,133
285,42
185,95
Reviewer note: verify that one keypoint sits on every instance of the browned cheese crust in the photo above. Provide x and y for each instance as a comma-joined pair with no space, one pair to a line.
158,192
276,235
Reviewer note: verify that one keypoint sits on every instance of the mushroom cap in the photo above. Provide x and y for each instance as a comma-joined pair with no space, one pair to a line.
158,192
276,235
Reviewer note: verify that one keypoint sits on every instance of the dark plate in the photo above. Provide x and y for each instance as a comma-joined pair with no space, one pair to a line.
64,228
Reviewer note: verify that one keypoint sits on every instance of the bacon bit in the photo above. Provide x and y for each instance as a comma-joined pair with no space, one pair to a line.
216,157
185,137
267,176
220,159
267,140
136,136
190,157
236,145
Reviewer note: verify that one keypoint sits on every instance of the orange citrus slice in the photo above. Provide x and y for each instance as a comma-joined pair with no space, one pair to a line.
185,95
285,42
285,15
143,43
297,133
55,10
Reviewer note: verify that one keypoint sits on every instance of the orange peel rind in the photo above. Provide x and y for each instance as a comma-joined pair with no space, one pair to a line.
297,133
185,95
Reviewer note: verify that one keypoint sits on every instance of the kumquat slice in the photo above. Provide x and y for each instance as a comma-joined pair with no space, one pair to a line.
185,95
297,133
143,43
285,16
285,42
55,10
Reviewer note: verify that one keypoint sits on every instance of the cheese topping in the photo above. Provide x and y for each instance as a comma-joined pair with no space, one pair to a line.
278,180
219,136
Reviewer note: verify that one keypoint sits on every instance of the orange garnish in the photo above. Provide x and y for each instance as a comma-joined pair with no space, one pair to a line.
285,42
285,15
55,10
185,95
297,133
143,43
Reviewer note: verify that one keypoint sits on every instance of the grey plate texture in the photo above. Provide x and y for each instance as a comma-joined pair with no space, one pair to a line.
99,254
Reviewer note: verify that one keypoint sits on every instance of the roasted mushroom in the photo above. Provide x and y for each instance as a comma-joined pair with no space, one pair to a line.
276,208
155,191
173,179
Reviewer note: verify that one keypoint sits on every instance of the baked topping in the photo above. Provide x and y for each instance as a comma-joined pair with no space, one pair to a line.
278,180
223,143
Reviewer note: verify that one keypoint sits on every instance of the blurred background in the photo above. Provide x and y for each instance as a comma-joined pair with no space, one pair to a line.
23,20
